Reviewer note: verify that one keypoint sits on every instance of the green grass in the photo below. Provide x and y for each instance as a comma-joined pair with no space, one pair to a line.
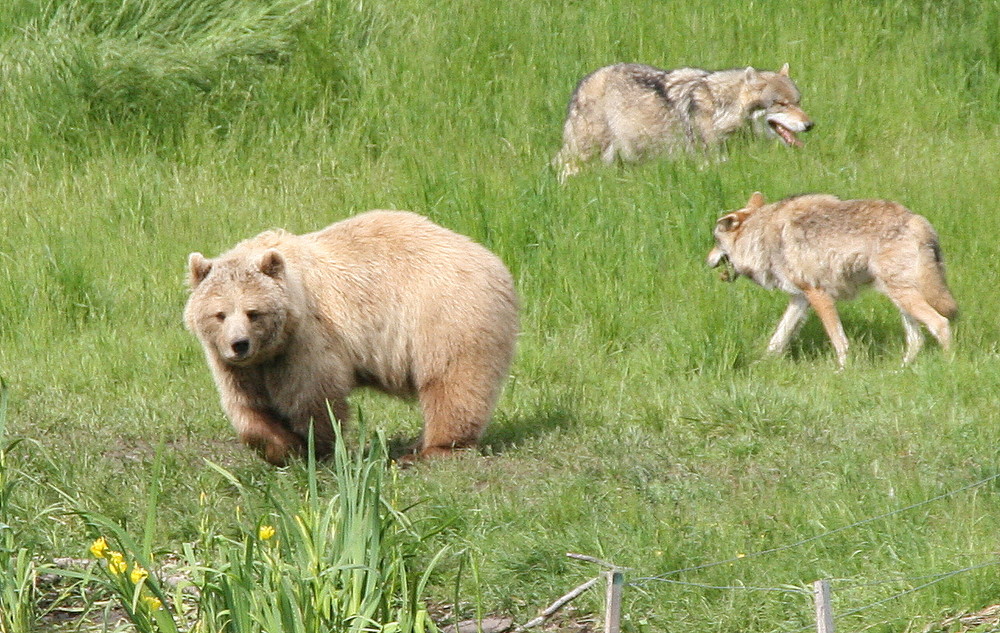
642,422
340,562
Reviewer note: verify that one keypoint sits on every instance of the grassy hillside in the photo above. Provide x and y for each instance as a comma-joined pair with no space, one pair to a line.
642,422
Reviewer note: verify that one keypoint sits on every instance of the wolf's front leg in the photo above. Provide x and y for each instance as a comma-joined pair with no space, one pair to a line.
795,313
826,308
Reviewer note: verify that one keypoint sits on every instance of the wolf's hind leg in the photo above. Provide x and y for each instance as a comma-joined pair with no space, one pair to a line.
914,338
566,163
609,154
915,308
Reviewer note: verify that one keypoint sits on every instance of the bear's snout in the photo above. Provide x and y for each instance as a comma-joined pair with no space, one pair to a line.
240,348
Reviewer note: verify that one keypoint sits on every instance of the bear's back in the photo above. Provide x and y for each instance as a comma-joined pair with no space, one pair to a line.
407,250
409,294
379,263
390,233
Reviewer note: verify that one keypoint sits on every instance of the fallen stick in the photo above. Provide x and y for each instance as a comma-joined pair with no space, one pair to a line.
558,604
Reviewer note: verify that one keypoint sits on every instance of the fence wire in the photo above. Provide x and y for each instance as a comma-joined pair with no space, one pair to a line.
939,578
890,581
742,557
789,589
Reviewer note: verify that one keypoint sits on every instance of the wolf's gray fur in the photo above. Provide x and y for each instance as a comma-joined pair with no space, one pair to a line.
632,112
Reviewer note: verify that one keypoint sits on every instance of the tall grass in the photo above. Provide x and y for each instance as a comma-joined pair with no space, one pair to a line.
17,568
342,563
642,421
337,564
140,70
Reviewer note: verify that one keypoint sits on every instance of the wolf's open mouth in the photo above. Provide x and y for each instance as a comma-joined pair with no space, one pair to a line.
786,135
728,272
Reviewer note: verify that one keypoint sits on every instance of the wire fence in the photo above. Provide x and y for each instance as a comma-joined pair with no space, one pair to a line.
698,585
939,578
817,537
615,573
889,581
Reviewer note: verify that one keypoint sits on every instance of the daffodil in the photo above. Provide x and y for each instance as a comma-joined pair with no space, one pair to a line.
152,602
99,547
265,532
116,563
138,574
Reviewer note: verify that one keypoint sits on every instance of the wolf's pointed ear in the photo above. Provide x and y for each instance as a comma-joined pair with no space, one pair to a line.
272,264
198,269
784,70
730,222
756,201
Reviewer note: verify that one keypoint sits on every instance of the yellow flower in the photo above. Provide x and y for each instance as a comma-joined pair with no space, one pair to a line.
265,532
138,574
741,555
152,602
116,563
99,547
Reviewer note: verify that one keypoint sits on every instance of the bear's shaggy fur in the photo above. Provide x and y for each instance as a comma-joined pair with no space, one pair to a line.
386,299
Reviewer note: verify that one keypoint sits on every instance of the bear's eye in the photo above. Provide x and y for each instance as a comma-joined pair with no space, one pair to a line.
253,315
220,316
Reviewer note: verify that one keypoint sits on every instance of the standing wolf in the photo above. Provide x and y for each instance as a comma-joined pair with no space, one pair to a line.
633,112
820,249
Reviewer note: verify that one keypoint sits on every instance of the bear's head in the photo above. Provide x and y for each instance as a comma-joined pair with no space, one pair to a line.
239,306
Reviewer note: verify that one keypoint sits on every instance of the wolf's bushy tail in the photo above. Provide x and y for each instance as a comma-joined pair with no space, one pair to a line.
933,285
578,144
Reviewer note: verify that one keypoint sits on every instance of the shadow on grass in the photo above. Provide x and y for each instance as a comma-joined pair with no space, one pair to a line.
507,434
868,337
503,434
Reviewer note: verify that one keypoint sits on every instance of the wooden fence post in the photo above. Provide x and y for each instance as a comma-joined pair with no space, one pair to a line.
613,605
824,612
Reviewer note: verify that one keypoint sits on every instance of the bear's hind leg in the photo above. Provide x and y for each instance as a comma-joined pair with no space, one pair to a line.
455,415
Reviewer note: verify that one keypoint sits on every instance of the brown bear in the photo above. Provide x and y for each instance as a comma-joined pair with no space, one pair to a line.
385,299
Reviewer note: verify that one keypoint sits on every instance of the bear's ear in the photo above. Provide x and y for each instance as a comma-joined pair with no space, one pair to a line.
784,70
272,264
198,269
